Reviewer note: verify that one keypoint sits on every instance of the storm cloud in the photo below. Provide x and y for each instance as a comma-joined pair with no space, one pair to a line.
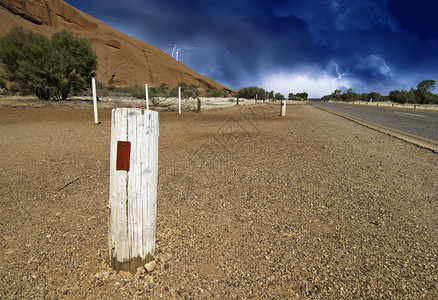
288,46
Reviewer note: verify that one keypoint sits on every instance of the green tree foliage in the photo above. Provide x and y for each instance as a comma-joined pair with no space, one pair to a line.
25,59
298,96
47,67
422,95
2,80
424,90
271,95
216,93
187,90
303,95
251,92
159,91
279,96
373,96
74,63
350,96
402,96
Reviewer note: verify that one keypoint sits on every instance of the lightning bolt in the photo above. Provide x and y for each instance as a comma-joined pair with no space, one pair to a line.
174,51
337,71
384,66
177,53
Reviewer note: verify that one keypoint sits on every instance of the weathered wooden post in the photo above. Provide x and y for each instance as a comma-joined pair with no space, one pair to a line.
283,108
147,96
237,101
179,100
198,109
133,187
93,86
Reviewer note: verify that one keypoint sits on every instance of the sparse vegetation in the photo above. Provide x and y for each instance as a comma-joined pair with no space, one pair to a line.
253,92
3,88
421,95
215,93
298,96
279,96
46,67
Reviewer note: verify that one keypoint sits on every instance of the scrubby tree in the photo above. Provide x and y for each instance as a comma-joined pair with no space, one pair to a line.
302,96
251,92
424,90
74,63
215,93
374,96
187,90
350,96
279,96
298,96
402,96
25,59
271,95
159,91
48,67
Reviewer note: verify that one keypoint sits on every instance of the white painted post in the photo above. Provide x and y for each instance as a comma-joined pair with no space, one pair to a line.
283,108
93,85
179,100
133,192
147,96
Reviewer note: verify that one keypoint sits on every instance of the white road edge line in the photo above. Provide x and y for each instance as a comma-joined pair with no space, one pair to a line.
403,113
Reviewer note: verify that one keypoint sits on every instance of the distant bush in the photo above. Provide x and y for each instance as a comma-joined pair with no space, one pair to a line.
46,67
422,95
279,96
298,96
14,89
402,96
159,91
252,92
215,93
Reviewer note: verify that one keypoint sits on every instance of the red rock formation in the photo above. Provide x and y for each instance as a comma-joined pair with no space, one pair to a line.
123,60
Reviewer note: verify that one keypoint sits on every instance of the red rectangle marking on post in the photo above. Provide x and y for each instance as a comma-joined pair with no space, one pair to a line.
123,155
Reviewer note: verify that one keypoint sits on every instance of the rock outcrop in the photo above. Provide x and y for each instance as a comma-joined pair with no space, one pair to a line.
123,60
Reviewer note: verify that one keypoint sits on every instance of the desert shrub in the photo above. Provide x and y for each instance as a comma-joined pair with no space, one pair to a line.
47,67
403,96
138,91
187,90
159,91
14,89
216,93
253,92
279,96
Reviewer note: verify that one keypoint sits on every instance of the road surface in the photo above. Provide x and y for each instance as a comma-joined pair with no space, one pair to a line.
416,126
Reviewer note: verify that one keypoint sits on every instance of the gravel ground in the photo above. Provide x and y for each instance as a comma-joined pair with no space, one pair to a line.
250,205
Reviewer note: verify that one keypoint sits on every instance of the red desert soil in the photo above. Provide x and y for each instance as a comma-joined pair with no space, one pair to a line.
250,205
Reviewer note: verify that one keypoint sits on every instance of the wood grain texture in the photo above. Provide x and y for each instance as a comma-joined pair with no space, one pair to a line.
133,193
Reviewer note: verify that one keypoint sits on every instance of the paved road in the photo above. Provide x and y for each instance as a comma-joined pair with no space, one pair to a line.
417,126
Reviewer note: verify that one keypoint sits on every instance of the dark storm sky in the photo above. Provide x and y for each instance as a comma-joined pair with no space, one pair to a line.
315,46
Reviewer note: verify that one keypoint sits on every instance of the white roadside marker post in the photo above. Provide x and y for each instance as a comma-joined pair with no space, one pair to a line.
133,188
283,108
179,100
147,96
93,86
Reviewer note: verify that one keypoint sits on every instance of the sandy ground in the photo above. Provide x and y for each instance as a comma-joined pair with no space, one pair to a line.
250,205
